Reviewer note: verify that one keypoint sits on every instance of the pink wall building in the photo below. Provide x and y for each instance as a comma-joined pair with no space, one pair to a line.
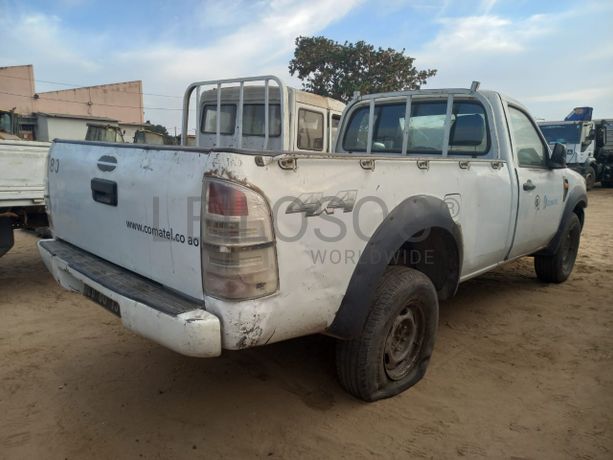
119,101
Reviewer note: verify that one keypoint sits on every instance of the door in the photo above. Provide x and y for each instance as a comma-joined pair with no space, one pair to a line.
540,189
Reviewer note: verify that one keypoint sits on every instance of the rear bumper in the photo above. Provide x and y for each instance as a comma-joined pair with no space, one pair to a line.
145,307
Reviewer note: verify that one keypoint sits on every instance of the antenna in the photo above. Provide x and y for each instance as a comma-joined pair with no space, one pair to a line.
475,86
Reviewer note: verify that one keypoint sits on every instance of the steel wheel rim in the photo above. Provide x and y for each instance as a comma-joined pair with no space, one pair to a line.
403,342
569,249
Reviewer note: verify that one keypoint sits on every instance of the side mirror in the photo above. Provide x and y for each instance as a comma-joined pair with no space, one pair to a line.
558,157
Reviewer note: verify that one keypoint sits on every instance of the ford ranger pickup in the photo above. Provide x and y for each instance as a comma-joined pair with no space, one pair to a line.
210,249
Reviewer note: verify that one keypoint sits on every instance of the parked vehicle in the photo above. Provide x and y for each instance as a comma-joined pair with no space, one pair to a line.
604,151
202,250
147,136
23,166
262,117
14,126
104,132
585,140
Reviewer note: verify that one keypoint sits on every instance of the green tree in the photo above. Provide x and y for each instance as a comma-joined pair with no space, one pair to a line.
329,68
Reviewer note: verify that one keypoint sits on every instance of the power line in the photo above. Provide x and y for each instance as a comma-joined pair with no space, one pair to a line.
75,86
94,103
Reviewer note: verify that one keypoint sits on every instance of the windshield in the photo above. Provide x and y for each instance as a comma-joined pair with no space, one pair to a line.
562,134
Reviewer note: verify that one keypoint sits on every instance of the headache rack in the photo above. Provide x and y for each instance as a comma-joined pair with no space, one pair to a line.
238,134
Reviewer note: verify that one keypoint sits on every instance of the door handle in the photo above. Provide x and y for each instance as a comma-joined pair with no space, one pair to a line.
529,186
104,191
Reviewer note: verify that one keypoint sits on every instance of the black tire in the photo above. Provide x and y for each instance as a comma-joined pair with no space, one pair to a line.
403,320
6,235
558,267
590,178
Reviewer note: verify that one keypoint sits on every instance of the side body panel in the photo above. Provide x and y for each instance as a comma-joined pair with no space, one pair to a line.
327,209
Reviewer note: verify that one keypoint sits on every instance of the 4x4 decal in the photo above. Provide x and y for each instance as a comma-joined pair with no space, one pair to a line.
314,204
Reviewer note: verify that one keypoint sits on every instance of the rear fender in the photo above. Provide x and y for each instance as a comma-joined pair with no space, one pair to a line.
405,223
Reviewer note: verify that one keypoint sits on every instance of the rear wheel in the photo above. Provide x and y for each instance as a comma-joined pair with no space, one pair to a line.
557,268
394,349
590,178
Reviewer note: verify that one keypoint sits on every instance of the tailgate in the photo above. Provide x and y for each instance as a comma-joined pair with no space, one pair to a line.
137,207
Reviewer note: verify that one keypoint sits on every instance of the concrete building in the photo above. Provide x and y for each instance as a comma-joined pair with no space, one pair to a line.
51,126
119,101
17,89
65,113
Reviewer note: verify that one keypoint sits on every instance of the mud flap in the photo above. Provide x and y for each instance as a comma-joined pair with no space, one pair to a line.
6,235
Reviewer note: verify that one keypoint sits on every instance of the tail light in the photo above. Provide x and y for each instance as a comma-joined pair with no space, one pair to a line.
239,259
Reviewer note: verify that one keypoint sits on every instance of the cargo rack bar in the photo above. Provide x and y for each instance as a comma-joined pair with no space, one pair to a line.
239,118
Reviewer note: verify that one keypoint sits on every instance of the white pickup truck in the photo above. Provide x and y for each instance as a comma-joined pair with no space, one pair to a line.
23,166
208,249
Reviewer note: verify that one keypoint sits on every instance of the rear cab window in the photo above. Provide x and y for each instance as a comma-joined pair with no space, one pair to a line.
253,119
227,119
468,133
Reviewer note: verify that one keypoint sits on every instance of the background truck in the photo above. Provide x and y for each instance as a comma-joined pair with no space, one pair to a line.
23,167
604,151
268,116
587,145
205,249
104,132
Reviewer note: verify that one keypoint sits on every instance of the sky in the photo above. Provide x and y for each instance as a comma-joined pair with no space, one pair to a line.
550,55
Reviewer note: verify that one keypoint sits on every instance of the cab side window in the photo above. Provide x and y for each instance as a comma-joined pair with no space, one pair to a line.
333,129
356,133
310,130
527,144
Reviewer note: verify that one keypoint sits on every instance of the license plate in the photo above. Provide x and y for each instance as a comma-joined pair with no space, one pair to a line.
102,300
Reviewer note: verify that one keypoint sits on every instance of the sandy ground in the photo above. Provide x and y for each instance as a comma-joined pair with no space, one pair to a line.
520,370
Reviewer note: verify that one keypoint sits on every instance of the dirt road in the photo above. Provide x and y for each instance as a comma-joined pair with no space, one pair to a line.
520,370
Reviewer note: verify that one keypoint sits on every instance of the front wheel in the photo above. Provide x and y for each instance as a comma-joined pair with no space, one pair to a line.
394,349
557,268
